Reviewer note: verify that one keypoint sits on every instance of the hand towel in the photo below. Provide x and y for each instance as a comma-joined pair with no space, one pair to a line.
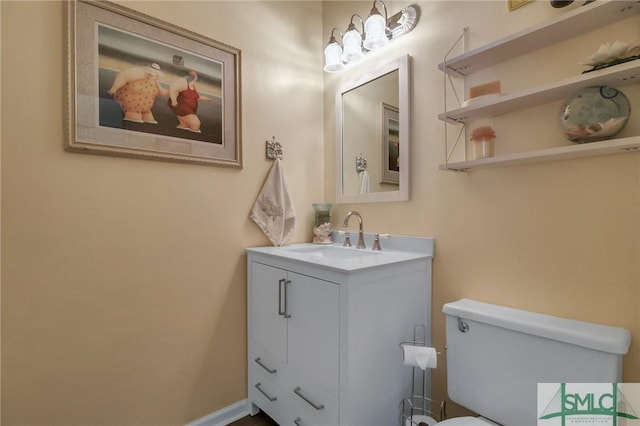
364,182
273,210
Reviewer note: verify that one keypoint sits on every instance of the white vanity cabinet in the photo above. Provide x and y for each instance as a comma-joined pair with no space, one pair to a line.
294,323
323,340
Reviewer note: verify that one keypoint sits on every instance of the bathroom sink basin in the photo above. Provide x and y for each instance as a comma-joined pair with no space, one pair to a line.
333,252
349,259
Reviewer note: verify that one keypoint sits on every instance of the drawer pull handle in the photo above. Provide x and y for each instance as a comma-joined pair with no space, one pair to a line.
297,421
269,397
298,392
282,297
286,313
261,364
280,285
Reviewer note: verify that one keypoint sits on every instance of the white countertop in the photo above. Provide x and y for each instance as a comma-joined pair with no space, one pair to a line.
348,259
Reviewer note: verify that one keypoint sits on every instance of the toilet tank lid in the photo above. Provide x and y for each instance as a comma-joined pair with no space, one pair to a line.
599,337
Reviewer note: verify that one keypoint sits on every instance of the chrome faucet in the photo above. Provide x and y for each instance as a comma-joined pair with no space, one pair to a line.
360,244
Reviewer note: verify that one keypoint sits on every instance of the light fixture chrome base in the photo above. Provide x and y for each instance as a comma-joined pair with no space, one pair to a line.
403,21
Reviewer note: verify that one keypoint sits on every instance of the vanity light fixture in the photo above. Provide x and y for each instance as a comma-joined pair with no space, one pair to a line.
377,31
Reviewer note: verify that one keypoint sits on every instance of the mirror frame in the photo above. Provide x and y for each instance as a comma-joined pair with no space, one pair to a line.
402,194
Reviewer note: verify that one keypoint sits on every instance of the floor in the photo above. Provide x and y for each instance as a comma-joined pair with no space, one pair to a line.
259,419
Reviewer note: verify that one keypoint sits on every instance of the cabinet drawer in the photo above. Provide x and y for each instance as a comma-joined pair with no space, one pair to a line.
266,382
310,404
265,365
269,396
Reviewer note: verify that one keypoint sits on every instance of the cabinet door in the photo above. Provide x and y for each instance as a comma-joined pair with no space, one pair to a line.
313,329
268,326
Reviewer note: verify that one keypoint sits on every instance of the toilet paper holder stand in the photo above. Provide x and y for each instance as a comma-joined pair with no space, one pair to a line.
418,405
416,343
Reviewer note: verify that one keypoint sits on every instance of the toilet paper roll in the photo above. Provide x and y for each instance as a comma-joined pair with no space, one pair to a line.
420,356
420,420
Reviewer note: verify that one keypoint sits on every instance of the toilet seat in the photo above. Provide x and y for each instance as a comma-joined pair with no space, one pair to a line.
467,421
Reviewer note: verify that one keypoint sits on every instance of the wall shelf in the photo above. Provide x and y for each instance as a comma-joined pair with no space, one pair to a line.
573,23
580,20
613,146
618,75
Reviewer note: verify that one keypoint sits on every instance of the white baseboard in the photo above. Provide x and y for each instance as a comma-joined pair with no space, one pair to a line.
224,416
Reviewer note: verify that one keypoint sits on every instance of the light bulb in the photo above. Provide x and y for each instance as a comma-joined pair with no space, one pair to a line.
333,57
352,46
375,32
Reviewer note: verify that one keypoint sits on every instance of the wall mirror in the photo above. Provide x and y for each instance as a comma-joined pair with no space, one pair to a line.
373,141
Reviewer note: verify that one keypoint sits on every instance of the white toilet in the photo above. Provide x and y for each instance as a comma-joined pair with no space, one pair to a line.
496,356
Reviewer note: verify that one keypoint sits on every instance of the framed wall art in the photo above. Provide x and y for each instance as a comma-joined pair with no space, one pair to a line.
390,142
141,87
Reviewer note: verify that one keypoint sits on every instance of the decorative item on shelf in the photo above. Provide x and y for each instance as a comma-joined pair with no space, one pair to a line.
322,223
564,3
490,88
482,142
483,91
594,113
614,53
560,3
377,31
514,4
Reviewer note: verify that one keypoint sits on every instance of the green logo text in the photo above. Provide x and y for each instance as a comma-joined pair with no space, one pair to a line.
612,404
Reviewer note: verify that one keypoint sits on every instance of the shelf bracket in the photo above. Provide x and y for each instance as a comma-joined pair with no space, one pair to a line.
453,148
447,79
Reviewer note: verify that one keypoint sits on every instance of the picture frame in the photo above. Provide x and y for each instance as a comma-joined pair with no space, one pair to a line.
390,143
144,88
514,4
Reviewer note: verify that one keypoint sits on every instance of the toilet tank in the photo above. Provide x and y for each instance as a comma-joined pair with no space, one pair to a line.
496,356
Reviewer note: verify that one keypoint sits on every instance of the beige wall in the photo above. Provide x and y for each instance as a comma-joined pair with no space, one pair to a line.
124,280
560,238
